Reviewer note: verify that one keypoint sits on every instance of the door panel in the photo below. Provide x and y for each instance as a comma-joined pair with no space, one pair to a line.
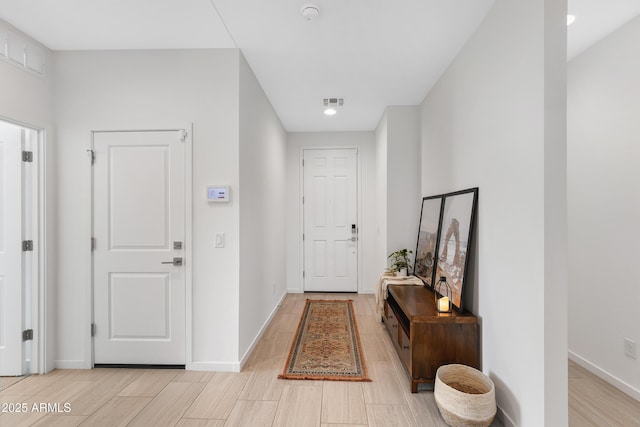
340,258
129,189
11,275
319,202
319,258
139,211
139,306
330,209
341,208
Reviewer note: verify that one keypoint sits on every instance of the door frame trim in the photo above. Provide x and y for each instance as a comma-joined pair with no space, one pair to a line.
38,362
188,244
358,208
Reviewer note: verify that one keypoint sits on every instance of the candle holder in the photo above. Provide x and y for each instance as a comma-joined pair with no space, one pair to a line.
443,289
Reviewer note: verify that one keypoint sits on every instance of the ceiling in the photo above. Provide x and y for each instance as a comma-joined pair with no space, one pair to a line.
373,53
595,19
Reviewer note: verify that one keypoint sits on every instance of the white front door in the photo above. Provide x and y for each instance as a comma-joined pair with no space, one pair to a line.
330,220
11,225
139,230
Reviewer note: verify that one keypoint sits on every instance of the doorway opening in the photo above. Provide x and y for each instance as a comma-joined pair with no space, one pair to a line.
21,246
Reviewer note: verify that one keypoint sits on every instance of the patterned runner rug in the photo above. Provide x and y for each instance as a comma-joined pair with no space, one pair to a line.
326,345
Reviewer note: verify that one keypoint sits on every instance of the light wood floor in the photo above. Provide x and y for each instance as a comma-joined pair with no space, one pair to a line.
596,403
254,397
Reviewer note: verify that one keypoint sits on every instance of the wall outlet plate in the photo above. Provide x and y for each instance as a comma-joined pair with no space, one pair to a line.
630,348
219,240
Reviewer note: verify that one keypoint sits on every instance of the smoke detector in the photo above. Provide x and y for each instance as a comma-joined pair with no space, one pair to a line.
310,12
331,105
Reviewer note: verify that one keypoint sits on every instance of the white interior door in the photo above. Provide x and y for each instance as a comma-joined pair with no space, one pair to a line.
330,220
139,230
11,276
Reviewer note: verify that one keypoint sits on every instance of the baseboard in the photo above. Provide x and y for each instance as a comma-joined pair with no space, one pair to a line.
504,418
216,366
606,376
295,291
255,341
71,364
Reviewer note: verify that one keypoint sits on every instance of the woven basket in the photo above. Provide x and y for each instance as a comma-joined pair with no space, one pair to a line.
465,396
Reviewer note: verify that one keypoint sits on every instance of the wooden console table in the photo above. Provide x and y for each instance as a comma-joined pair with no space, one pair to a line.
425,339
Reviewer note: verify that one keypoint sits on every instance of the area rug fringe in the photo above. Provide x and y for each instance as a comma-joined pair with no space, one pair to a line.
299,338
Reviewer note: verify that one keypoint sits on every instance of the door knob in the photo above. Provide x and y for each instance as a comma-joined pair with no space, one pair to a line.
177,262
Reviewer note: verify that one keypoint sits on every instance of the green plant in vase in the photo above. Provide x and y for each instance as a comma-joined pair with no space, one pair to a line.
400,261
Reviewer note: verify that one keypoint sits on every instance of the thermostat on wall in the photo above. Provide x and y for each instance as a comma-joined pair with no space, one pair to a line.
217,193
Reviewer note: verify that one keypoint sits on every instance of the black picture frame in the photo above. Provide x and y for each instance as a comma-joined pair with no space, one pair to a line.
428,234
455,236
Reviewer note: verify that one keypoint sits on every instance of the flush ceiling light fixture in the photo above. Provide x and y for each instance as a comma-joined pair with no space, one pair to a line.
310,11
331,105
570,19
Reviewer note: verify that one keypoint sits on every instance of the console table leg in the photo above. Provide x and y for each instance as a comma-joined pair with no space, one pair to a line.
414,386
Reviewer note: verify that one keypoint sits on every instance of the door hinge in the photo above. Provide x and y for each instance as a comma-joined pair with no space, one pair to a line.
93,329
93,243
302,162
303,200
303,237
93,156
27,335
303,274
27,245
183,135
27,156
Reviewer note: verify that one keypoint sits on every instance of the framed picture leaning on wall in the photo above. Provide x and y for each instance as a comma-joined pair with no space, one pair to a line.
454,240
428,232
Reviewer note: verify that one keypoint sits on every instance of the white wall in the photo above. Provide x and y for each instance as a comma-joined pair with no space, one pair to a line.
603,104
263,168
381,192
556,276
368,269
143,89
484,124
26,98
403,178
398,177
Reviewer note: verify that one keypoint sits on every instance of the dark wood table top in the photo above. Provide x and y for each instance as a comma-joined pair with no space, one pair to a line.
418,304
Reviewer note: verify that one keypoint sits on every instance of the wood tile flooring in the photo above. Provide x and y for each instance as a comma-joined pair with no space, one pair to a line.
595,403
254,397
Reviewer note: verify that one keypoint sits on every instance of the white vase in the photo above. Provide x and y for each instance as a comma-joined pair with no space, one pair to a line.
402,272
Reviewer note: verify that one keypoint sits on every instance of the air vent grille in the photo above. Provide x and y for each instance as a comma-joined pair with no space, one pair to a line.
333,102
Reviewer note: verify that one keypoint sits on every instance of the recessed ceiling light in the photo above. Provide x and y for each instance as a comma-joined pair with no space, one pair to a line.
570,19
331,105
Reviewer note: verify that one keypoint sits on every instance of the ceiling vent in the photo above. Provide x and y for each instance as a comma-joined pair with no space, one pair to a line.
333,102
330,105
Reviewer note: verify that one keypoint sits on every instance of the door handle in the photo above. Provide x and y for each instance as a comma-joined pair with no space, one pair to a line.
177,262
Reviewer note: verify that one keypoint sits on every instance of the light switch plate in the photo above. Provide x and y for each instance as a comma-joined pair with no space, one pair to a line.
219,240
630,348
